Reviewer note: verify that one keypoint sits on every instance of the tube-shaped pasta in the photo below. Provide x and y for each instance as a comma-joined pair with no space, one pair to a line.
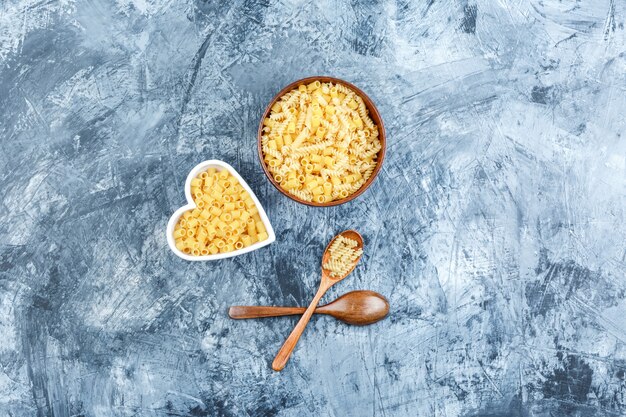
217,186
224,211
293,183
246,240
251,226
313,86
318,190
216,194
309,185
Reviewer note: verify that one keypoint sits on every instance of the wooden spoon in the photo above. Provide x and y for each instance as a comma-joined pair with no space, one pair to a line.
360,308
327,281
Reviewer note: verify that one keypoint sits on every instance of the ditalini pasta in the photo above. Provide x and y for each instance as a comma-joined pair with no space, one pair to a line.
225,218
342,256
319,142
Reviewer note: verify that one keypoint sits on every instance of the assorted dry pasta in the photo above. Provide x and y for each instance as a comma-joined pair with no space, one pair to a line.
319,142
319,145
225,218
343,255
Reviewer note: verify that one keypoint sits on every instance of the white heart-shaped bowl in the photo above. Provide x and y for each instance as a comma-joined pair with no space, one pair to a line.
220,165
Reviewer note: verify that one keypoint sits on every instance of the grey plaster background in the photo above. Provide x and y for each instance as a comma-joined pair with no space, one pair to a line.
496,227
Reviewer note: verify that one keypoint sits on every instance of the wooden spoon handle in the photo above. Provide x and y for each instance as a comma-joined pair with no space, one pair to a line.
252,312
285,351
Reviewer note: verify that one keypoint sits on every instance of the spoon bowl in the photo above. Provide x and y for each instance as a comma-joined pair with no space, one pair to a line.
359,308
349,234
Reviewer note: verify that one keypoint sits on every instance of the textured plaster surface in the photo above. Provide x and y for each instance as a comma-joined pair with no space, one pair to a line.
496,227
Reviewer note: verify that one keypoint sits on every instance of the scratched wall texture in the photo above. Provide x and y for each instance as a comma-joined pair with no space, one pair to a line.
496,228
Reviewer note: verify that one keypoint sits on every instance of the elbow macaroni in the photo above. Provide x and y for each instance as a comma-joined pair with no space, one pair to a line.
319,142
225,218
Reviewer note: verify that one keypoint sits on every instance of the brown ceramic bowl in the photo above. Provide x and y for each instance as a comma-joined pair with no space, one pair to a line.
374,115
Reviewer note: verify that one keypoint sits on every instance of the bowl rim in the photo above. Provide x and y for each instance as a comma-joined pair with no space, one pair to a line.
371,107
271,236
